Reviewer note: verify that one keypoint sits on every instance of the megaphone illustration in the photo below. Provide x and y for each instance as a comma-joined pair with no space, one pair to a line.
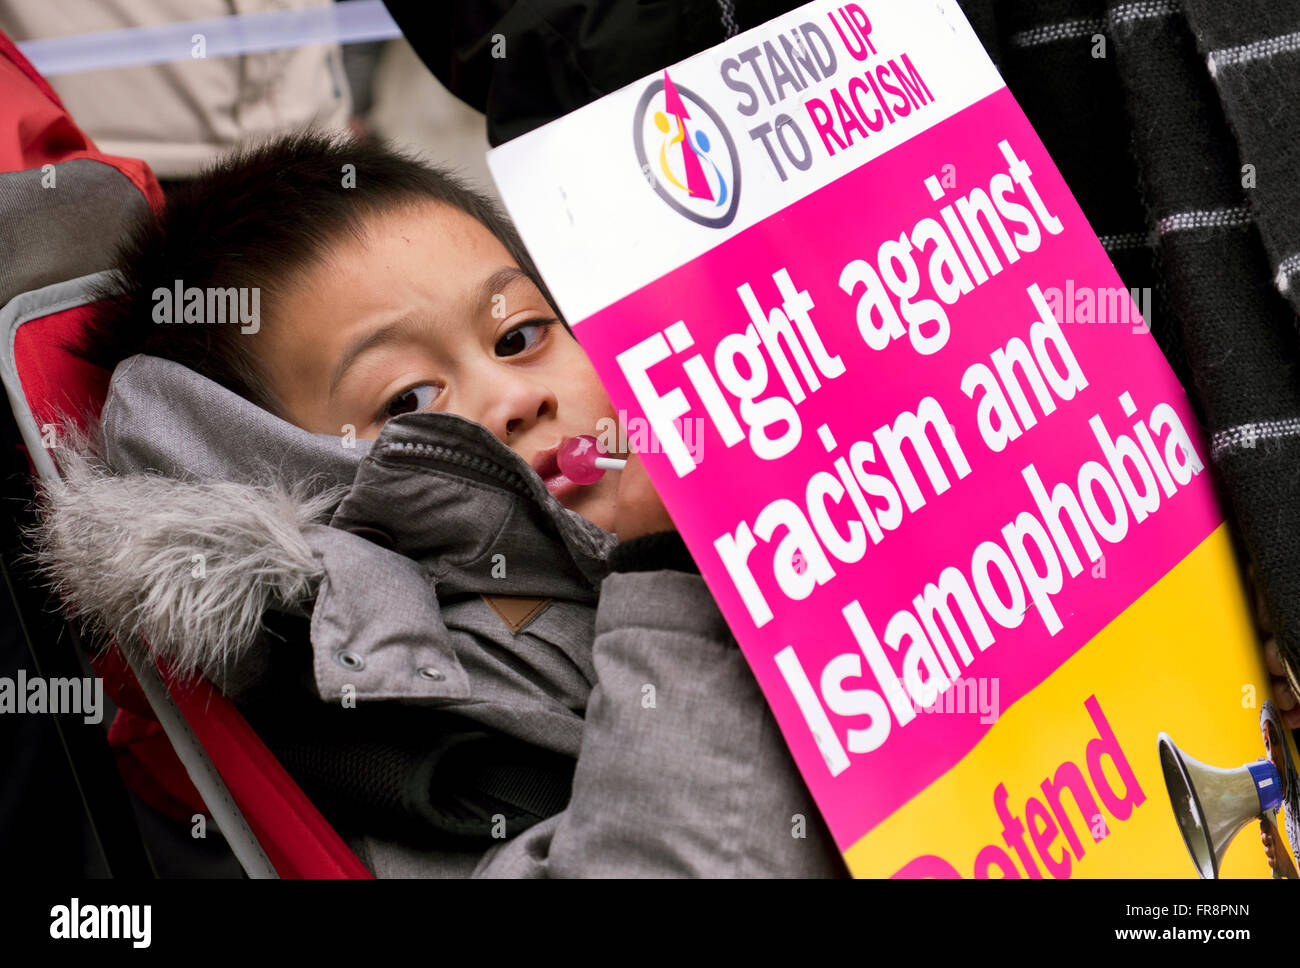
1212,804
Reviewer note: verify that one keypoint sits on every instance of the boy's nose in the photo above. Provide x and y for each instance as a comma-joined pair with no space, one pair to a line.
516,405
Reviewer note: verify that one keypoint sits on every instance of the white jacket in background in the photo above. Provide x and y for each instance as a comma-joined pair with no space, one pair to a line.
180,115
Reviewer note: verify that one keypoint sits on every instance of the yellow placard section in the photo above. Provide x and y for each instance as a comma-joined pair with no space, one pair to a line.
1077,756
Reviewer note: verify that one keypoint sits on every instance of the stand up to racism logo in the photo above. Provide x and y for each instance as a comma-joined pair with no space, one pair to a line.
686,154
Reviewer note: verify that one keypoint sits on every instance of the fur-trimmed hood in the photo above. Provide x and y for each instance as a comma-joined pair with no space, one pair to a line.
186,513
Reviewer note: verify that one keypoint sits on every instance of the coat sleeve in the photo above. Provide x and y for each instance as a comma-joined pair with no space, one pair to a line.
524,64
683,771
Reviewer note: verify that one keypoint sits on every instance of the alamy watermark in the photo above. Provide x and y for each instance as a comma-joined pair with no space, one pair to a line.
35,694
1085,305
966,696
242,305
75,921
614,435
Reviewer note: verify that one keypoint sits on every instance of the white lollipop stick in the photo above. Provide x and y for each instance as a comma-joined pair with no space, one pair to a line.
609,463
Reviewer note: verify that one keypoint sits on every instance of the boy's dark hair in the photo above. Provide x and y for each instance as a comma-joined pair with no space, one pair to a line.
252,221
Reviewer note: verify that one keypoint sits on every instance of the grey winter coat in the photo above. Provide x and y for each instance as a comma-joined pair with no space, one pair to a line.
437,571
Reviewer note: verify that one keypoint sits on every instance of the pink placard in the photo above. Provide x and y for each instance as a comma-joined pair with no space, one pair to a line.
799,400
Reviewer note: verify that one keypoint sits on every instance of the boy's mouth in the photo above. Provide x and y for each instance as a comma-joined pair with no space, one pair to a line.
547,467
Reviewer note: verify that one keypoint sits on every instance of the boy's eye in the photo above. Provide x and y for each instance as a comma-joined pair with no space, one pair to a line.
408,401
523,337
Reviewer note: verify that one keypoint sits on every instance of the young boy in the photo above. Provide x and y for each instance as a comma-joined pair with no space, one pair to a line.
368,445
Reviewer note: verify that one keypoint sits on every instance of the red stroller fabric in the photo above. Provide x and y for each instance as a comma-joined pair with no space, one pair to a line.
35,131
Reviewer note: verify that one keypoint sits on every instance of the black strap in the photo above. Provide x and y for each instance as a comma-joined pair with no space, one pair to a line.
411,773
484,785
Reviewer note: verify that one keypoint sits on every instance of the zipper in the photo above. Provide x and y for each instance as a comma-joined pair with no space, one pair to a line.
487,471
480,467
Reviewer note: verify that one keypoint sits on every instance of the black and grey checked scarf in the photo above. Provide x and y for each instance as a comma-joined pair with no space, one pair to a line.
1176,123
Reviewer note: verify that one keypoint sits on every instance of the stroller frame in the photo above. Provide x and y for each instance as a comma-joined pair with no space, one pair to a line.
207,780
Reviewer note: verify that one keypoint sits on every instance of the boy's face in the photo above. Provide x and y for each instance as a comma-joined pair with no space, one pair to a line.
429,312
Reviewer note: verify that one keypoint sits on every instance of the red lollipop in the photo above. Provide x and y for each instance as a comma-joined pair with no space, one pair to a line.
581,461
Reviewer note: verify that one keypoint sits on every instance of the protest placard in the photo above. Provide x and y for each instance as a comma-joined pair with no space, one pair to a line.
913,427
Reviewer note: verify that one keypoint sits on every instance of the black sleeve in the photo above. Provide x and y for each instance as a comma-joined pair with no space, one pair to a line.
526,62
653,552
